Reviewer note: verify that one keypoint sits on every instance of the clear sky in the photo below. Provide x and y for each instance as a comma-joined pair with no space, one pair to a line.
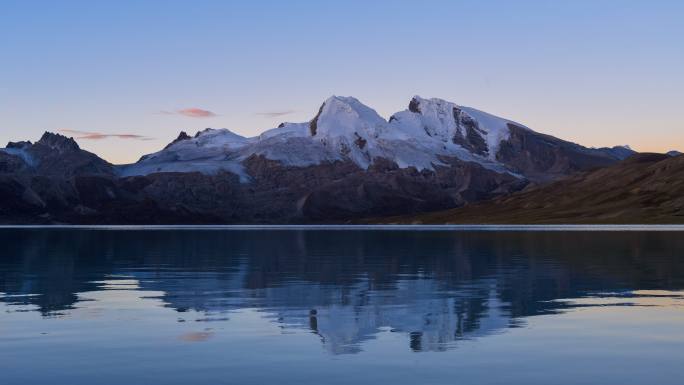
598,72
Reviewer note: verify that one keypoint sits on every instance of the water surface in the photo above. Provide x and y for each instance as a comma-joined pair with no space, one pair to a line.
256,306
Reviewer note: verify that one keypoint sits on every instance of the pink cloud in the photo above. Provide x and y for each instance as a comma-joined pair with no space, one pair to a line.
196,113
89,135
196,336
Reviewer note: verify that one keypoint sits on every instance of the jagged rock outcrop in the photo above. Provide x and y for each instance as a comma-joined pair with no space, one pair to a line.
182,136
53,155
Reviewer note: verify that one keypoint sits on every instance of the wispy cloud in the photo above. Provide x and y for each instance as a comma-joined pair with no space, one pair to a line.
196,113
90,135
192,112
274,114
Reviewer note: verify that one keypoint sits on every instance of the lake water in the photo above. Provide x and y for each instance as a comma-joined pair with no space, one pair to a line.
267,306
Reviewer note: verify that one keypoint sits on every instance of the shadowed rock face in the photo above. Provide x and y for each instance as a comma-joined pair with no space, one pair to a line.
57,156
313,124
11,163
331,192
414,106
39,180
542,158
645,188
470,136
342,191
17,200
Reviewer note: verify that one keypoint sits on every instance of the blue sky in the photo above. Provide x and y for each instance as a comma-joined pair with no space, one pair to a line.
596,72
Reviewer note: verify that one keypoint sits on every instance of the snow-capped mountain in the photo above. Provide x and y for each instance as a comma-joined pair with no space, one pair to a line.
345,130
347,162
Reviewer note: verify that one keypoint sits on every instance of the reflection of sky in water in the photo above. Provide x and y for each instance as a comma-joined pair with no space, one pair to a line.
341,308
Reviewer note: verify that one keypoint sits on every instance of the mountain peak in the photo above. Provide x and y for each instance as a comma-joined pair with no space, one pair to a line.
58,142
476,131
418,104
208,138
341,99
19,145
344,116
182,136
437,117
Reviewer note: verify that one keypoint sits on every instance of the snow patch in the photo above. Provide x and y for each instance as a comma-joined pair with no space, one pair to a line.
208,167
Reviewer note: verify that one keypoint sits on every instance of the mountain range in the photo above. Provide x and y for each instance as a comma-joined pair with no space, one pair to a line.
345,164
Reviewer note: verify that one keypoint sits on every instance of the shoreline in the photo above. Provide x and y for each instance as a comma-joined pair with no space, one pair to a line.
474,227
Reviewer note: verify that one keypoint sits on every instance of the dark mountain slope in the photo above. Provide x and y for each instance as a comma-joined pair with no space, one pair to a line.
646,188
542,158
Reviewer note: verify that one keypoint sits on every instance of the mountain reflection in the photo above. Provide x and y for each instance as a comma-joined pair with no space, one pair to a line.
434,288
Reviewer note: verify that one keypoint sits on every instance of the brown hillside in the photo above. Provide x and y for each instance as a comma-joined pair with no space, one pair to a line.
646,188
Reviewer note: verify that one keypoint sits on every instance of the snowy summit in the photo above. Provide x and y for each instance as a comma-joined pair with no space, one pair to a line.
344,129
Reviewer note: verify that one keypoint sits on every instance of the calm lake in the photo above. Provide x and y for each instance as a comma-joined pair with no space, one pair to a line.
98,306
